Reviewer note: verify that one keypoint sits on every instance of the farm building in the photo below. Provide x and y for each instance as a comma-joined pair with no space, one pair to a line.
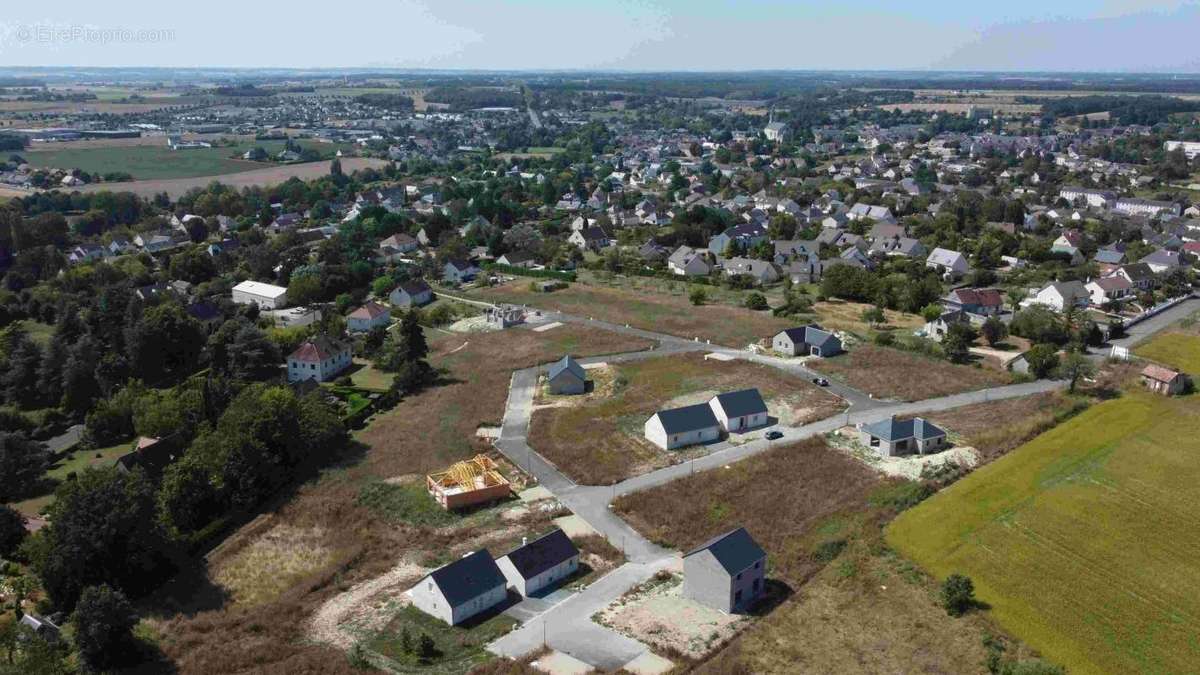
727,572
368,317
893,437
466,483
566,376
319,359
462,589
1163,381
411,294
739,410
266,296
680,427
541,563
811,340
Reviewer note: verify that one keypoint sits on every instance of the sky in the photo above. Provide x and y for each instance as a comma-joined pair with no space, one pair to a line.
637,35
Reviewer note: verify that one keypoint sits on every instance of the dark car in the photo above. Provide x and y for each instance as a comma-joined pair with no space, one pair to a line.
820,382
773,435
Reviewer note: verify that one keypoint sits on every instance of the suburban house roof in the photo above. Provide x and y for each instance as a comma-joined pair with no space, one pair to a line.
1113,283
735,550
259,288
983,297
370,311
517,257
460,265
1159,373
467,578
1162,257
1069,290
398,240
1138,271
687,418
542,554
1108,256
414,287
742,402
944,257
566,365
317,349
812,335
893,429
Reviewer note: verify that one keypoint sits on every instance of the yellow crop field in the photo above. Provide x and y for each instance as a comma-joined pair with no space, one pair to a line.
1083,541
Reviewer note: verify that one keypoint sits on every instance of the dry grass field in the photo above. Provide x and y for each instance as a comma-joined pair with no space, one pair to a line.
200,622
847,316
790,499
866,612
674,314
895,374
175,187
613,447
1083,540
995,427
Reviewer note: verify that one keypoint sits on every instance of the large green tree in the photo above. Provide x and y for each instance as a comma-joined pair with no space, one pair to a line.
104,622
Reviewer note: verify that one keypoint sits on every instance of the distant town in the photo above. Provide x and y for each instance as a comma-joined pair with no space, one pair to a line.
574,372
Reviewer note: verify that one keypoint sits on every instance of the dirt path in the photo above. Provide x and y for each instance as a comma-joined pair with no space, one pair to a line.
366,607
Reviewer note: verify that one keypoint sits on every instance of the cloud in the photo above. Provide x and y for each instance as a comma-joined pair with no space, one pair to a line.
1149,41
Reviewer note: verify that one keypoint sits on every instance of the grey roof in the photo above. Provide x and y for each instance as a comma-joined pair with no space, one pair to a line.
735,550
742,402
1109,256
1162,257
893,429
468,578
415,287
687,418
566,365
812,335
542,554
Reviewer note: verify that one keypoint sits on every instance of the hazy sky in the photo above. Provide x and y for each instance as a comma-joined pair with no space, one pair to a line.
1102,35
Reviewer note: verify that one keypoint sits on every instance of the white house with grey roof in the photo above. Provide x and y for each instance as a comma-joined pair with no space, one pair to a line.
681,427
893,436
739,410
540,564
811,340
566,376
727,572
462,589
949,263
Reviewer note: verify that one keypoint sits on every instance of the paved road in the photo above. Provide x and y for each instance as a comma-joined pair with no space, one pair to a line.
1145,329
567,626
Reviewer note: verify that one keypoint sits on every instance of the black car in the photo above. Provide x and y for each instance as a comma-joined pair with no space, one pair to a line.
820,382
773,435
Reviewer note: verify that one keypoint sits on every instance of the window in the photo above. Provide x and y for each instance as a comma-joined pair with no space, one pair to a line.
758,564
739,576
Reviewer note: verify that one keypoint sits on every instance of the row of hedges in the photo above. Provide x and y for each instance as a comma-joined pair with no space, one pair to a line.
525,272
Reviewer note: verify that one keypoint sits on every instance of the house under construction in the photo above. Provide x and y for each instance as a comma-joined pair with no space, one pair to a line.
467,483
505,316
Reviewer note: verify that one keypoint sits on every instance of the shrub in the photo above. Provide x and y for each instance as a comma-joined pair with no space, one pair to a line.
104,622
756,302
829,550
958,594
697,296
885,339
12,530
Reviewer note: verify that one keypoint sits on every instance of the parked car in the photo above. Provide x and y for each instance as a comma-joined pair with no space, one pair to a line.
774,435
820,382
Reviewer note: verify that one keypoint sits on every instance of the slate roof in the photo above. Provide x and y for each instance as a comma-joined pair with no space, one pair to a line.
1108,256
735,550
415,287
1139,271
542,554
945,257
566,364
1162,257
687,418
893,429
468,578
742,402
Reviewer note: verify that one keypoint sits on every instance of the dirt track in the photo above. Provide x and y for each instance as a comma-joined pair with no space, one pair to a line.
175,187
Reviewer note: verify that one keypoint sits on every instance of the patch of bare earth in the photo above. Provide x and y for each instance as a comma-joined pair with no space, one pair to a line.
658,614
894,374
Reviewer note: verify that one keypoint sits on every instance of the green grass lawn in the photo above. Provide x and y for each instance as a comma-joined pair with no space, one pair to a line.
148,162
367,376
75,462
1178,350
1083,541
456,648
